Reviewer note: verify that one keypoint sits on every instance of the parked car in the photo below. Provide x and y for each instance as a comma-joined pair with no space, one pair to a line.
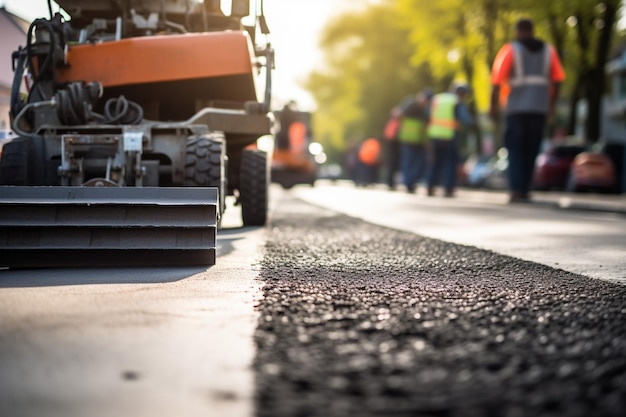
592,170
552,166
5,136
615,151
475,168
487,171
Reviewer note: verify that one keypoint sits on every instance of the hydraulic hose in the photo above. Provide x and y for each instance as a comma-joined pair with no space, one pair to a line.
27,107
74,104
20,67
122,111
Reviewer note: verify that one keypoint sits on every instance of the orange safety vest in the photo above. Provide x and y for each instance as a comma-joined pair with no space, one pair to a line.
369,152
391,128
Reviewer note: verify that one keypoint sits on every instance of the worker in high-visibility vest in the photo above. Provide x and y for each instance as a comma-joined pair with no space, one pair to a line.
413,139
368,160
448,114
526,76
391,134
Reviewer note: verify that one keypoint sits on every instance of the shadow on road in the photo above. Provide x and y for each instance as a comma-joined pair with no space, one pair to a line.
24,278
226,236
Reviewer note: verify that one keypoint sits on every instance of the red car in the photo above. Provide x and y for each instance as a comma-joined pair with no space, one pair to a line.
552,167
592,170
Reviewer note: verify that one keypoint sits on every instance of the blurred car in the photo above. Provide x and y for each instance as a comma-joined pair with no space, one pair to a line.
488,172
475,169
592,170
552,166
330,171
5,136
615,151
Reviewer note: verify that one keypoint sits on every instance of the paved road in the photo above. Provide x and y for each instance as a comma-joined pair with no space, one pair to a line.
592,243
133,341
318,314
363,320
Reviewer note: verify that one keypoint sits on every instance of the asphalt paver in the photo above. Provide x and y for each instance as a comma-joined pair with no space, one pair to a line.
361,320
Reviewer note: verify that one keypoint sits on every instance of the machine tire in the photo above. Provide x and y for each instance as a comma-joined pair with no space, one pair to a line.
254,187
16,165
205,164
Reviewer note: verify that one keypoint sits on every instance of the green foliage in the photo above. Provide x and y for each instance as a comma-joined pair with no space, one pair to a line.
367,73
388,51
459,36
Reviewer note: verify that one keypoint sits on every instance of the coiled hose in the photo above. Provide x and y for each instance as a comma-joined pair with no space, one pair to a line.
75,103
121,111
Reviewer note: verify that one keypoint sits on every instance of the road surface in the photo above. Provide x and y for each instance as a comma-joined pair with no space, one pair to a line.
584,242
322,314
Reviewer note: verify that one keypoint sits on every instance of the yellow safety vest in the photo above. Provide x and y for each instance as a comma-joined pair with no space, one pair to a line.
443,124
412,131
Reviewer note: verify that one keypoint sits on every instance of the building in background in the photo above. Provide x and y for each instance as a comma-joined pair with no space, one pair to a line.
13,31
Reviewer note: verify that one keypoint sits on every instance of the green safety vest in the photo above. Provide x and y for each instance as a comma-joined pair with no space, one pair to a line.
412,131
443,124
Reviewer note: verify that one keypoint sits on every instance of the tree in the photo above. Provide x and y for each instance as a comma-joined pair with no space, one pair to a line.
598,34
582,31
387,51
459,37
367,73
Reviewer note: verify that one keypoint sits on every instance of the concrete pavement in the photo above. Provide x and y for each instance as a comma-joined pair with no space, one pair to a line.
613,203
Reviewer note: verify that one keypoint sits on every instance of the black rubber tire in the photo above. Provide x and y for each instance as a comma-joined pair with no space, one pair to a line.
205,164
16,163
254,187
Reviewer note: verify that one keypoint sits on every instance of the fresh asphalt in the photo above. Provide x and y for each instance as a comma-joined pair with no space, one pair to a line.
580,233
362,320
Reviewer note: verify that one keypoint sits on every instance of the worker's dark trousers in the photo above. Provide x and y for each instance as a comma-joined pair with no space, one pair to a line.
366,174
444,160
522,137
413,159
393,161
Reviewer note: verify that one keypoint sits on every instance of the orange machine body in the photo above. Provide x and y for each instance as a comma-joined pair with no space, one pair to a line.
152,59
171,76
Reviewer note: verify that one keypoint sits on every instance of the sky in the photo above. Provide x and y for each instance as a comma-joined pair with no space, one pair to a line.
295,27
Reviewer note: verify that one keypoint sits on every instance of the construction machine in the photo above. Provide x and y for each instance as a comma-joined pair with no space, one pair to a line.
292,160
135,120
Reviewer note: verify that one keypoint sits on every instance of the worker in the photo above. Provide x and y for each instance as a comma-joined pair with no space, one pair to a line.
413,139
390,134
368,159
448,115
525,79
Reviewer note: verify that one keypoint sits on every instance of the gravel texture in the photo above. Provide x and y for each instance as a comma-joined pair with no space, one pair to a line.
360,320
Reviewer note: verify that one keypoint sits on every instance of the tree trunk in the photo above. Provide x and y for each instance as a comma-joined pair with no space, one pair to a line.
596,84
468,68
572,119
594,90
